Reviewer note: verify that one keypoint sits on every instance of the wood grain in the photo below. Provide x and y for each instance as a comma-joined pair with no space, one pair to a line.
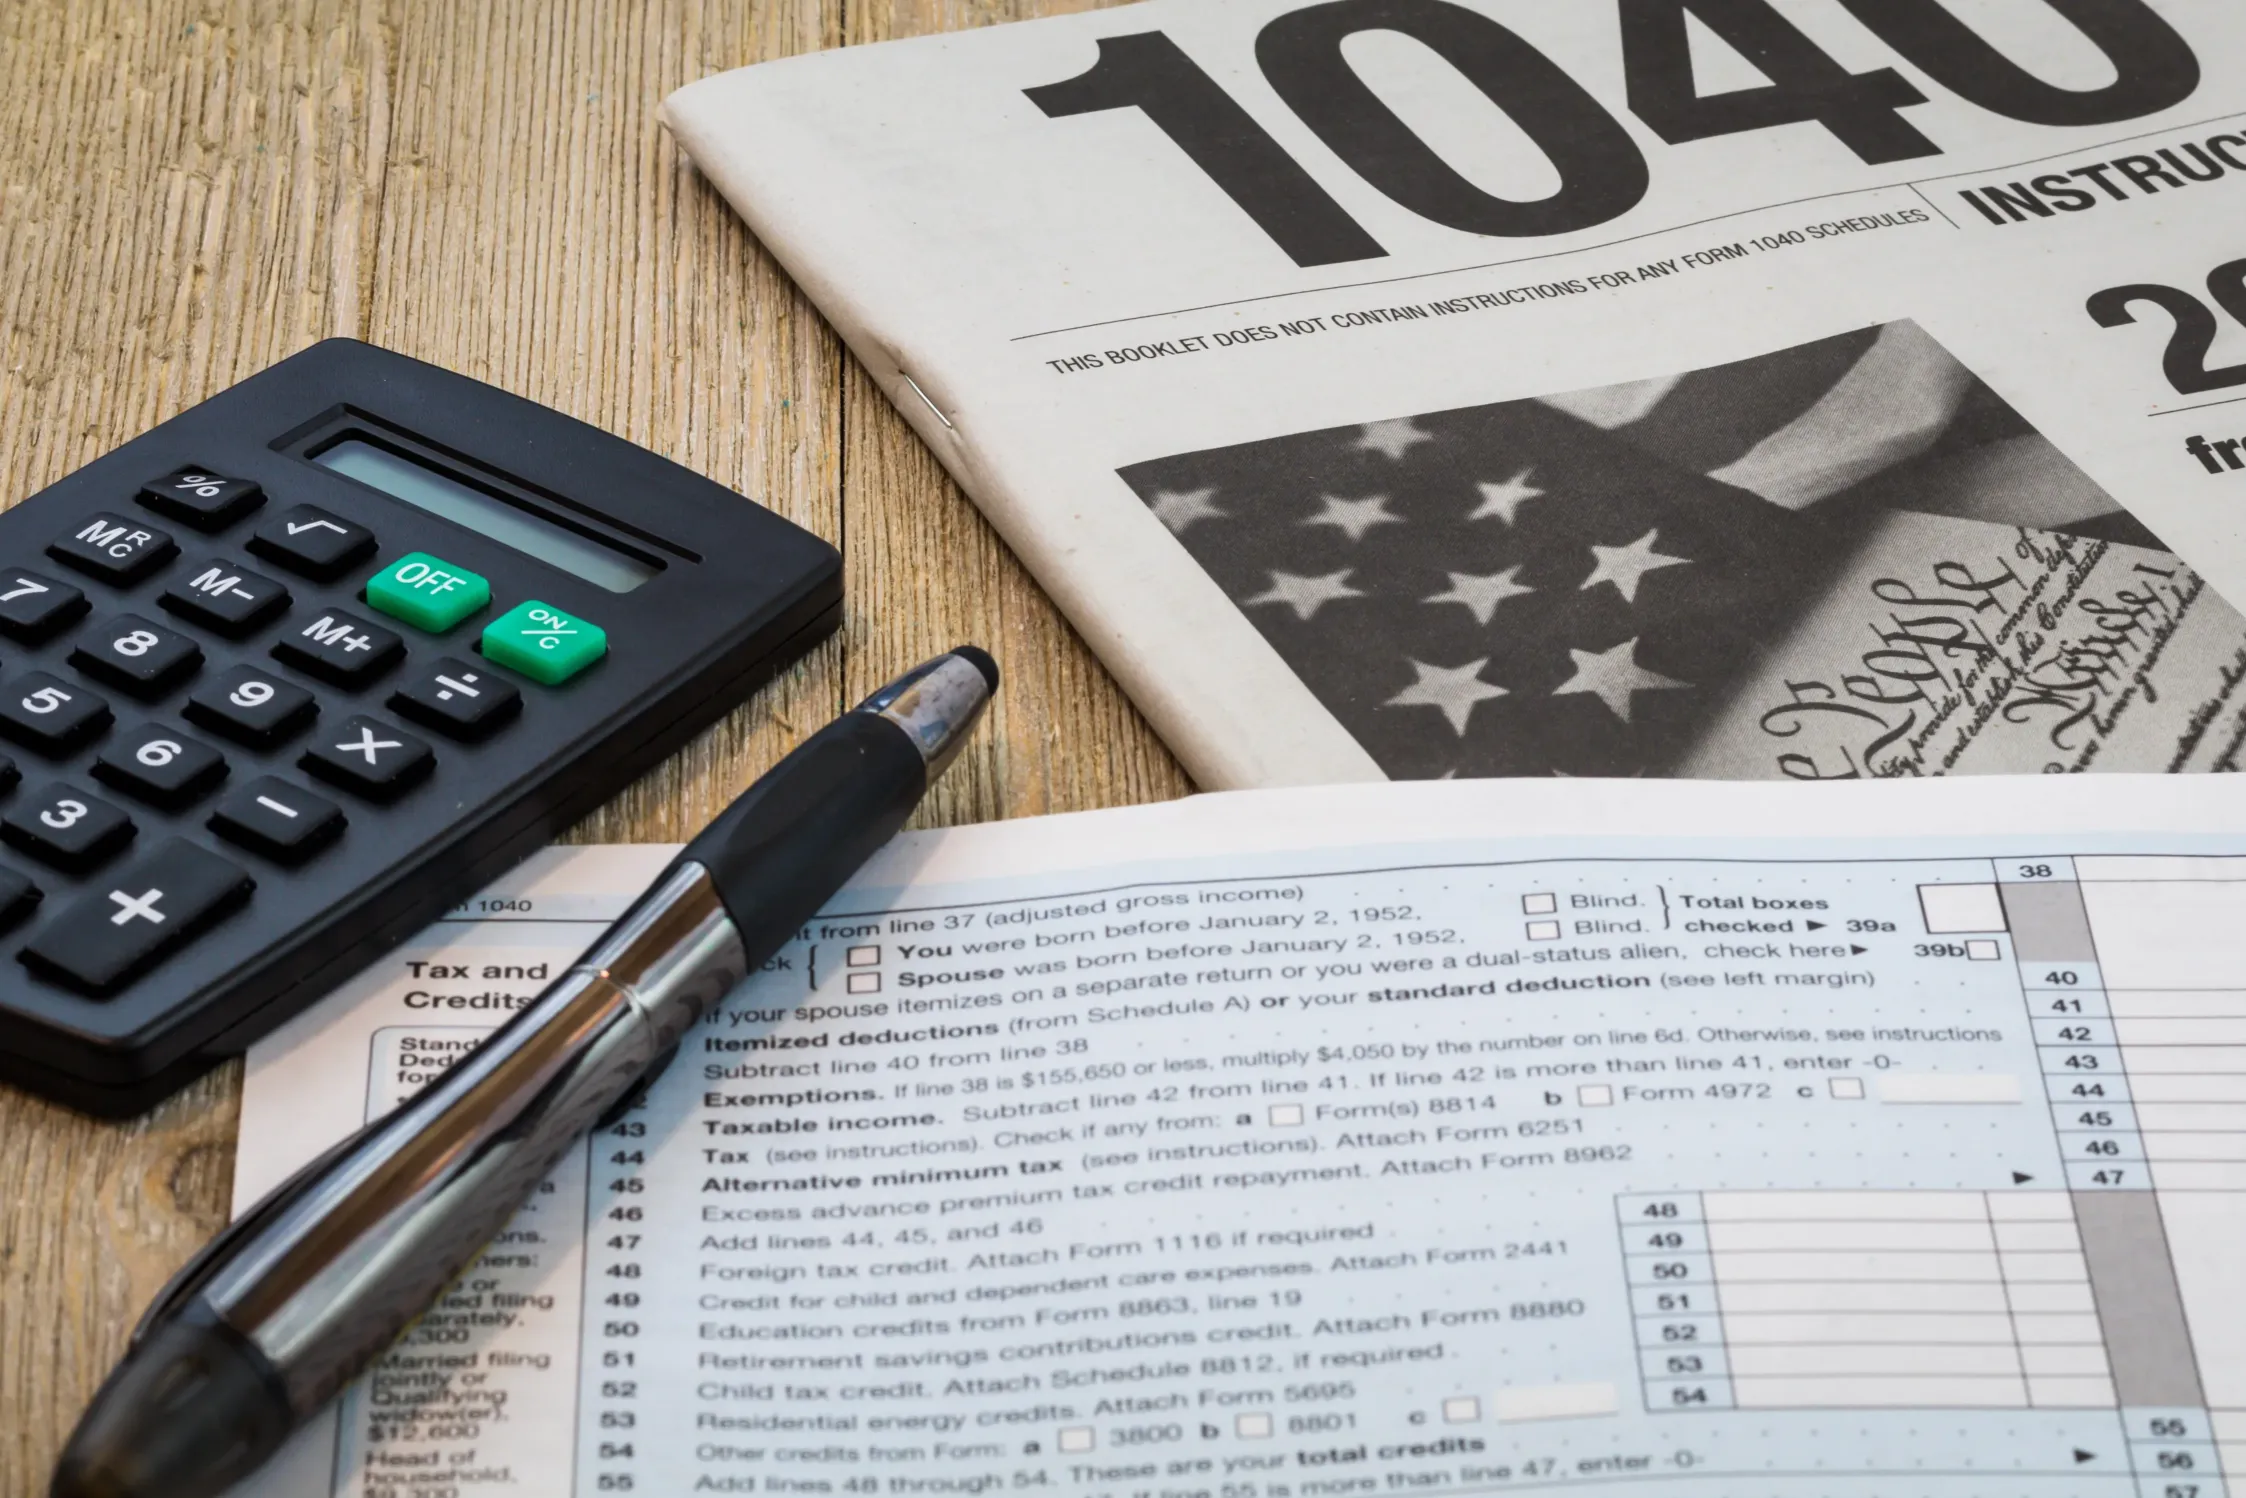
190,191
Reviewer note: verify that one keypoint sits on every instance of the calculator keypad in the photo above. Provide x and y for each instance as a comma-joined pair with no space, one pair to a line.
122,925
64,826
35,607
308,540
103,918
115,548
49,714
160,766
142,657
369,756
221,596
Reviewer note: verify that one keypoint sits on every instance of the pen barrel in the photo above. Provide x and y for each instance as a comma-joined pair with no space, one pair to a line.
793,839
334,1273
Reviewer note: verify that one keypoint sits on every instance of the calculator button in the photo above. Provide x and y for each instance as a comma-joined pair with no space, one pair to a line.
9,774
455,698
219,595
33,607
17,897
284,822
123,925
427,592
114,548
145,659
160,765
51,715
370,757
543,643
207,501
341,648
247,706
66,827
313,542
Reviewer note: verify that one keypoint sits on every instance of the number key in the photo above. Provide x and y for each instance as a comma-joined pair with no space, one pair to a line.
207,501
66,827
33,607
50,715
145,659
245,705
160,765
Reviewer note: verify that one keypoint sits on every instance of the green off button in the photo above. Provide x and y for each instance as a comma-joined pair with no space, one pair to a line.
427,592
543,643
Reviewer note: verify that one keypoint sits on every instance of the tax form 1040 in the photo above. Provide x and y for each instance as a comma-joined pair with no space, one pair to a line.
1715,1140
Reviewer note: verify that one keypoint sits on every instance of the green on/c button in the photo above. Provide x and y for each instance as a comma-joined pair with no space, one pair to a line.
427,592
543,643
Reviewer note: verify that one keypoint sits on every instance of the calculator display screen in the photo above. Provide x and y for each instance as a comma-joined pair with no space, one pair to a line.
430,489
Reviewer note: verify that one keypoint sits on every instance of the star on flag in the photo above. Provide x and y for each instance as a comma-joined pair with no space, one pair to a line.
1394,438
1354,516
1178,509
1454,689
1306,595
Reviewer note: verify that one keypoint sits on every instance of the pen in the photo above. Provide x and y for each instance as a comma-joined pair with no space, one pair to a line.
285,1307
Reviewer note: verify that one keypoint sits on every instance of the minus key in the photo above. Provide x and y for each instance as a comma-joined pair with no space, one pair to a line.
457,699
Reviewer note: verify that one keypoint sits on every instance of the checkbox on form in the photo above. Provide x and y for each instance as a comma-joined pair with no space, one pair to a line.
1539,904
1286,1115
1254,1427
1075,1438
1544,930
864,956
1848,1089
863,983
1595,1095
1464,1410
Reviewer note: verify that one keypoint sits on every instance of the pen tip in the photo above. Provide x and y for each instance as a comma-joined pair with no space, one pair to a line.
979,658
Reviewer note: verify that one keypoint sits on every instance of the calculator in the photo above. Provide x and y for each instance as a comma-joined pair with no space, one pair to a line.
289,676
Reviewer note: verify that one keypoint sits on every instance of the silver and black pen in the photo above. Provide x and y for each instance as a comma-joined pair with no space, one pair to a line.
301,1293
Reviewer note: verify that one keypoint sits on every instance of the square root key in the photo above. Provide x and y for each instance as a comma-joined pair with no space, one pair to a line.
313,542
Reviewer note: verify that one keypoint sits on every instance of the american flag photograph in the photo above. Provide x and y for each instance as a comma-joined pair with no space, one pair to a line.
1578,584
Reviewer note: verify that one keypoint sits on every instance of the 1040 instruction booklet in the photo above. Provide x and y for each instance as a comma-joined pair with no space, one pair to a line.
1417,388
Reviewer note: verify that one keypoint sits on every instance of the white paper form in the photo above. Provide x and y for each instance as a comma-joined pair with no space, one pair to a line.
1486,1137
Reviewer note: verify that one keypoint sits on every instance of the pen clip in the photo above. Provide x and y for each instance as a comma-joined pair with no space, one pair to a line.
205,1260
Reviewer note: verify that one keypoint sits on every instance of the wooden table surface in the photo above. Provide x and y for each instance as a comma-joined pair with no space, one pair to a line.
193,189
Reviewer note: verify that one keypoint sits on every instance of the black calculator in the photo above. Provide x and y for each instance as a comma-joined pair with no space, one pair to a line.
292,674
